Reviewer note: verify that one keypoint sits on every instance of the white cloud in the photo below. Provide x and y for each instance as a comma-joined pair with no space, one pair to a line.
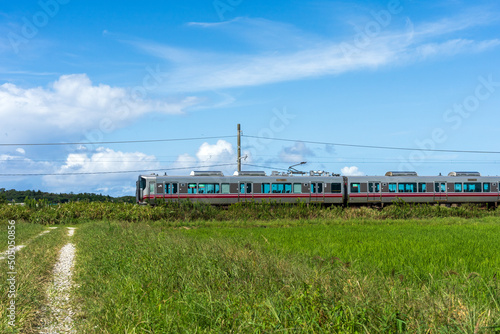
296,153
221,155
351,171
456,46
20,150
72,105
103,160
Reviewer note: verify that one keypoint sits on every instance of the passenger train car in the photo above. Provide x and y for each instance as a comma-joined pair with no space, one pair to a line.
318,187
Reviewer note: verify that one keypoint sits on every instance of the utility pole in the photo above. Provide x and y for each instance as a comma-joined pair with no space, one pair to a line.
239,148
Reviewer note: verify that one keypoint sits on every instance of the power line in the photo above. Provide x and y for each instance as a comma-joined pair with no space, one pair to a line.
114,172
373,146
119,141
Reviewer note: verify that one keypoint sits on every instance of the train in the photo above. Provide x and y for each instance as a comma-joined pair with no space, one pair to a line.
213,187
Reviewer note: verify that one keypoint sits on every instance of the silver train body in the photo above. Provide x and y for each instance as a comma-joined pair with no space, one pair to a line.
319,187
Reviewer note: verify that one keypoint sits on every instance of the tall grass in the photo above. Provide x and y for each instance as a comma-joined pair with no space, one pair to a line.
76,212
139,278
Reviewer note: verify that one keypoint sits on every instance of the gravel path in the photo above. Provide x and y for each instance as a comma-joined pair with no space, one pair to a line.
58,312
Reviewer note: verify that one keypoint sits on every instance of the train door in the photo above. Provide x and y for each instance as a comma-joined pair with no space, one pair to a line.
152,188
245,191
495,187
440,192
374,194
317,192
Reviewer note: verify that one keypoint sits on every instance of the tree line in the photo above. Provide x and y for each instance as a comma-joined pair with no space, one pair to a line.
19,196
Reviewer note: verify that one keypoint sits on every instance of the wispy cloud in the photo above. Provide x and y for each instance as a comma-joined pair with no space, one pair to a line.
310,56
456,46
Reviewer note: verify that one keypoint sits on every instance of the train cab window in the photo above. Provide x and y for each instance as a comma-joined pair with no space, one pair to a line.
225,188
422,187
486,187
151,187
192,188
336,188
265,188
392,187
458,187
297,188
355,187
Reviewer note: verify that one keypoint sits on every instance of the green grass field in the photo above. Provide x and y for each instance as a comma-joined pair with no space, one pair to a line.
419,276
361,274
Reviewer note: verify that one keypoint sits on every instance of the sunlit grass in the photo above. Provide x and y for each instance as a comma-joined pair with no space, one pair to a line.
317,276
23,233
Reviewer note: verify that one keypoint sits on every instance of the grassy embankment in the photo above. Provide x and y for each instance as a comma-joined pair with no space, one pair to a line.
196,214
320,275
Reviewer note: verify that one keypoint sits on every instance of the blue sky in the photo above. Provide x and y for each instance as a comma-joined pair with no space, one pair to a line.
414,74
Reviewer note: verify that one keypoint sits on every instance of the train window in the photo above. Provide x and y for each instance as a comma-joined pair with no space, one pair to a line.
317,188
265,188
297,188
288,188
249,188
407,187
439,187
472,187
373,187
392,187
152,187
355,187
458,187
486,187
201,188
225,188
242,188
278,188
422,187
211,188
336,188
192,188
174,188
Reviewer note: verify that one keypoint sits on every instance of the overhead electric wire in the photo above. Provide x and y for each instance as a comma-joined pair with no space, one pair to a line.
114,172
119,141
373,146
